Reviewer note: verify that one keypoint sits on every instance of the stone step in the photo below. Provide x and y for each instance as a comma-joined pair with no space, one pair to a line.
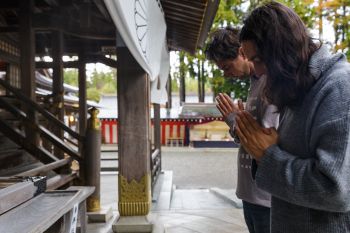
162,192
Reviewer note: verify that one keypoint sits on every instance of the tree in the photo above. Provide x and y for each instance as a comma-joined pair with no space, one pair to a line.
71,77
338,12
99,82
314,13
230,12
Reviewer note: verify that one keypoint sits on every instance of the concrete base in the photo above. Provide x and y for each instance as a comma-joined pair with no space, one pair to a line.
163,190
100,216
133,224
228,195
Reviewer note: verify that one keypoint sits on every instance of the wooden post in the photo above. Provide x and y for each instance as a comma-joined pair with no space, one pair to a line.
8,76
182,79
203,82
82,95
199,81
169,91
93,160
57,85
82,111
27,46
134,183
157,133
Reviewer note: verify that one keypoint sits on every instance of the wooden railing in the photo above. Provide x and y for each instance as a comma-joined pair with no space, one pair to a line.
39,128
155,165
49,116
51,162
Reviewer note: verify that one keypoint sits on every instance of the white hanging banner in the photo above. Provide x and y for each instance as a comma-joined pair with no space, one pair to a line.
159,93
142,27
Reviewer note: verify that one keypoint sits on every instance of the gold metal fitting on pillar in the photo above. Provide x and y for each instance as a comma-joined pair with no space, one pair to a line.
94,122
134,197
93,204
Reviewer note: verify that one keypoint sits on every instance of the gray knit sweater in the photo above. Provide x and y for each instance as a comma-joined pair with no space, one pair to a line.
308,172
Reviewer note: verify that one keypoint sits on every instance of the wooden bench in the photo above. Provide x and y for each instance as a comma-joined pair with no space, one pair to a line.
52,211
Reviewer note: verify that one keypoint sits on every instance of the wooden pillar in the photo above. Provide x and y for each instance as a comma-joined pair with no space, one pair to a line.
203,82
182,88
156,124
169,91
8,76
82,95
57,84
27,47
199,80
82,111
134,181
92,160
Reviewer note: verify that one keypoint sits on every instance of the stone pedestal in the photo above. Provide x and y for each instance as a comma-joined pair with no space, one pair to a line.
103,215
133,224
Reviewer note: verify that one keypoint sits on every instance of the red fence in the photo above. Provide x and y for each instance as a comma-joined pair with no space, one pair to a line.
173,131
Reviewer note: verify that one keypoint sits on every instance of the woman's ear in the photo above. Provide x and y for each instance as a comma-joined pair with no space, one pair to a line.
240,51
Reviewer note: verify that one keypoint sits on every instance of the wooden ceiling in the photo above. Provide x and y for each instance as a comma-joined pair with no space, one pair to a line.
188,22
87,24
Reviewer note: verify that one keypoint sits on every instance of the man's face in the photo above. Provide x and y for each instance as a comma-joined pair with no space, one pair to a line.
234,68
250,52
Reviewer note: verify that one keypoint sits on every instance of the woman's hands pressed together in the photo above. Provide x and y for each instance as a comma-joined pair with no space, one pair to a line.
254,138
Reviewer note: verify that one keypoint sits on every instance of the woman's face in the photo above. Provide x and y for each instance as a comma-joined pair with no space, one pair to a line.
251,53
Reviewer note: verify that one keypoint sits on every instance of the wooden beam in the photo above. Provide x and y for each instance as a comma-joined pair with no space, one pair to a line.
102,8
98,30
184,6
27,45
46,168
60,180
9,4
75,64
57,84
209,15
15,194
48,65
107,61
9,58
9,29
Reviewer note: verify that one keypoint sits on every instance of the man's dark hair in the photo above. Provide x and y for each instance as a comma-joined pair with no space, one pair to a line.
223,44
284,45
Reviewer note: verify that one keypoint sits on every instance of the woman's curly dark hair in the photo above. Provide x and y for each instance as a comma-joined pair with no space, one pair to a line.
284,45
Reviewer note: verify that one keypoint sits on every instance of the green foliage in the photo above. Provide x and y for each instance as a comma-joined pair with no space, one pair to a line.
305,9
174,85
93,94
235,88
98,83
104,82
230,12
338,12
71,77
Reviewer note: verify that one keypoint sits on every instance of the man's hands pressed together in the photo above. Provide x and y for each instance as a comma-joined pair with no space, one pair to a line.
226,106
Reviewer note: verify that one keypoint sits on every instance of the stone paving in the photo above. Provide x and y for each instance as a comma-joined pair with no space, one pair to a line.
201,211
194,207
203,221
